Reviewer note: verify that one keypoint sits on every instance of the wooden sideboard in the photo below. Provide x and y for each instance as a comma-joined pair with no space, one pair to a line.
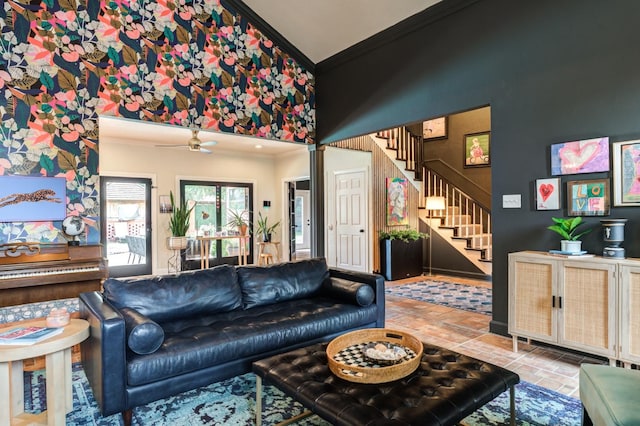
589,304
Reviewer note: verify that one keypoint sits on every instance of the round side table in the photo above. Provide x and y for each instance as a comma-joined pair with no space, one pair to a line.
57,350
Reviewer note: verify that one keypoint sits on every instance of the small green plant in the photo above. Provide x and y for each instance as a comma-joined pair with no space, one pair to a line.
568,228
407,234
264,228
179,221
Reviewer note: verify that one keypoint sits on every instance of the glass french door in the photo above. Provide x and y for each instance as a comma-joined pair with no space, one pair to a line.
214,204
125,212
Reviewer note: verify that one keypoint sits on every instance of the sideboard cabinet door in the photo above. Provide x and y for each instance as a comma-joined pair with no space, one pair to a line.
587,319
532,286
629,306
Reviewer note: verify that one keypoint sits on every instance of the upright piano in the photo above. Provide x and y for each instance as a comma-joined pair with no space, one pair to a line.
33,272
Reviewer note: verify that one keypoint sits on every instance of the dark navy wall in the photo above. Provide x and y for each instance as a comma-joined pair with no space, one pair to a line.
551,72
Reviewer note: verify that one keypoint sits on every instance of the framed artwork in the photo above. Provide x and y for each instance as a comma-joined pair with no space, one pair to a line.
32,199
477,149
626,173
586,156
588,197
397,201
435,129
165,204
548,194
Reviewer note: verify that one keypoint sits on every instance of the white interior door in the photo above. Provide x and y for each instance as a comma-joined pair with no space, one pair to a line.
351,223
303,219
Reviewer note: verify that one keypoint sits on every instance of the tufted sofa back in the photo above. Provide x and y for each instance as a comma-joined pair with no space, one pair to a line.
265,285
170,297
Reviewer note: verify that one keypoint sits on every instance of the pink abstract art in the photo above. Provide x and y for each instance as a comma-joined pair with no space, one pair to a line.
586,156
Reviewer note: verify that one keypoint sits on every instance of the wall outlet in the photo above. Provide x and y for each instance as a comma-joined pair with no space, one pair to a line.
512,201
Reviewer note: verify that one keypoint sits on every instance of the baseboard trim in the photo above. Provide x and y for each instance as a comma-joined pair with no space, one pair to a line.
456,273
499,327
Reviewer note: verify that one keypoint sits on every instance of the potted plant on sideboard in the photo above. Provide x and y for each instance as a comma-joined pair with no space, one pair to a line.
401,253
567,228
178,224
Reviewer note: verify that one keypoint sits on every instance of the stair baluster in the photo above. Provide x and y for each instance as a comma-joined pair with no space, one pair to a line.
469,220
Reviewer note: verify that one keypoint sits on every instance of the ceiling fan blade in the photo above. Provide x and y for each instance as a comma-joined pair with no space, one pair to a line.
210,143
171,146
205,151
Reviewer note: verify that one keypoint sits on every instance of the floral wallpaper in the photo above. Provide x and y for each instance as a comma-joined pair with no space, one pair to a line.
184,62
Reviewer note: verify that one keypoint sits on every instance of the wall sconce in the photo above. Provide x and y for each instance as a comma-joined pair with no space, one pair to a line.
266,204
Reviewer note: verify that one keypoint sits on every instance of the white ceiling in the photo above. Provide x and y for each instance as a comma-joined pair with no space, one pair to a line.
322,28
136,132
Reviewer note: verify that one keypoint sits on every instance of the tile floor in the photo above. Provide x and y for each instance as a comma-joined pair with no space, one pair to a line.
468,333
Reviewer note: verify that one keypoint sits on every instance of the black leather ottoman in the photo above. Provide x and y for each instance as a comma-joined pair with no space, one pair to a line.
446,388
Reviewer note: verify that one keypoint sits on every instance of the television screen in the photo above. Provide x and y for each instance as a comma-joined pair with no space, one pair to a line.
32,198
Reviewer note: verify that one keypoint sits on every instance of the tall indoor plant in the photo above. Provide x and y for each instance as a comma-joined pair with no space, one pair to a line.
567,228
178,224
264,228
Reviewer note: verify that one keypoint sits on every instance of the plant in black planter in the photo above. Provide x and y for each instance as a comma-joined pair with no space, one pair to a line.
401,253
405,235
264,228
567,228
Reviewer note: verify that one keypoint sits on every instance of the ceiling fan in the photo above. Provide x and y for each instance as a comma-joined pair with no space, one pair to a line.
194,144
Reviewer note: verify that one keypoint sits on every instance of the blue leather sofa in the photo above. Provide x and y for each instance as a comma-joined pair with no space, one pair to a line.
156,337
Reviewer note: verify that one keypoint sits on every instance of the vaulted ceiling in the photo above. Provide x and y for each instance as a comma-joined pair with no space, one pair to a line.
317,28
322,28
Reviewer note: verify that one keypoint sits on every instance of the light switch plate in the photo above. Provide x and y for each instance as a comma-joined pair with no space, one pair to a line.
512,201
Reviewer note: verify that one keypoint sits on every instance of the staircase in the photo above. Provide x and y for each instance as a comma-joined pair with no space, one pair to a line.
465,222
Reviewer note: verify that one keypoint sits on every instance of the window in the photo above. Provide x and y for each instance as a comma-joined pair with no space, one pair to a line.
214,204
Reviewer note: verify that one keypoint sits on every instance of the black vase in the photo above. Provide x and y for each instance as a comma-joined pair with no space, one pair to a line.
400,259
613,237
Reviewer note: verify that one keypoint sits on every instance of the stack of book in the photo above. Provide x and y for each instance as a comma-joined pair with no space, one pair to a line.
28,335
562,253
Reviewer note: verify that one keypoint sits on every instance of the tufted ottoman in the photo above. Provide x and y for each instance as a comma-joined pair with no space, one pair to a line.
446,388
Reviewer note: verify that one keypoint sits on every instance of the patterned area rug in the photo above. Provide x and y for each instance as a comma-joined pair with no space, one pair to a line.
232,402
460,296
36,310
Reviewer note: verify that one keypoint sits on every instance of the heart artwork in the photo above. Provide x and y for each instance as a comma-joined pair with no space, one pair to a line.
576,156
546,189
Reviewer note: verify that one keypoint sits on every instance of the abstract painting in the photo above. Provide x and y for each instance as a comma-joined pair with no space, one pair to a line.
626,173
586,156
397,201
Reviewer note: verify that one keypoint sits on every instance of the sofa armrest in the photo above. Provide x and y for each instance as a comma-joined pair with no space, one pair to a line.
104,352
376,281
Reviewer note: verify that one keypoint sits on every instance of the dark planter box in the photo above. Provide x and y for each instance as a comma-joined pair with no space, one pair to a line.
399,259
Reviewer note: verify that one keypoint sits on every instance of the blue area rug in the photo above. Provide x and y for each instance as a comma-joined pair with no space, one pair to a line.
36,310
460,296
232,402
